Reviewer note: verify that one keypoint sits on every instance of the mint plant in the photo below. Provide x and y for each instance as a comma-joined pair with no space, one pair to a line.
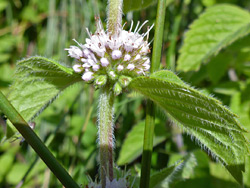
115,61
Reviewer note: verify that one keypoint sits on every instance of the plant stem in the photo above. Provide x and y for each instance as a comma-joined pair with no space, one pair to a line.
147,144
114,16
150,109
35,142
106,137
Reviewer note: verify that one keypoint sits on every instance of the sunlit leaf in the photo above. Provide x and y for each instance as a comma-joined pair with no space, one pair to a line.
38,81
215,29
212,125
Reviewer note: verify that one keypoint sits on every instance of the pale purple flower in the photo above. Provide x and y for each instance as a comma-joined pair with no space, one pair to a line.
122,53
131,66
120,67
77,68
116,54
87,76
104,62
127,57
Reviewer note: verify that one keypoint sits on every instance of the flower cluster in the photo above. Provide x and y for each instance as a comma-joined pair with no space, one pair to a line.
112,57
121,183
123,179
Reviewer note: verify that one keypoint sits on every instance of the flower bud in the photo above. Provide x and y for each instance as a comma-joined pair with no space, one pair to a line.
117,88
124,81
87,76
78,68
120,67
104,62
116,54
101,80
112,75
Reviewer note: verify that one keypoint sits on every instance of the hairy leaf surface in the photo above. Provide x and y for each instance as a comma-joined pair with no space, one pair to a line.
204,118
37,82
130,5
218,27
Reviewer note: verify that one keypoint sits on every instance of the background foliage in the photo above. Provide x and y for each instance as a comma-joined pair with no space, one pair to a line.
68,127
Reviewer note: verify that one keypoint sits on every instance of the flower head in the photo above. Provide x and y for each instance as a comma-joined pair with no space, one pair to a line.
123,180
114,55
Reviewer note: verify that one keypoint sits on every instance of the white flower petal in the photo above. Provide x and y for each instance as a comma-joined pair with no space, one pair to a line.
120,68
95,67
74,52
77,68
104,62
127,57
87,76
137,57
116,54
112,73
131,66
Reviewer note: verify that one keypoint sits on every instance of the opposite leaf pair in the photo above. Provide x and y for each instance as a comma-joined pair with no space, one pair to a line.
39,81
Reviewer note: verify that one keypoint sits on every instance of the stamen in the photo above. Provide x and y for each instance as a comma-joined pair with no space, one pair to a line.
89,33
142,25
131,26
137,26
77,43
124,25
147,33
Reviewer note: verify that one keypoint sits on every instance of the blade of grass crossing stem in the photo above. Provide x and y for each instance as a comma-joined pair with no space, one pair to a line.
150,110
35,142
171,50
173,37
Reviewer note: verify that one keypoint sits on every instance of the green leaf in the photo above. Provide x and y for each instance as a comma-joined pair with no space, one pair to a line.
3,5
38,81
177,172
135,138
212,125
130,5
215,29
158,177
218,67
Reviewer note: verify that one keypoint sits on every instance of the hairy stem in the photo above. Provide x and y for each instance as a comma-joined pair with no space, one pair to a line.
106,138
114,16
